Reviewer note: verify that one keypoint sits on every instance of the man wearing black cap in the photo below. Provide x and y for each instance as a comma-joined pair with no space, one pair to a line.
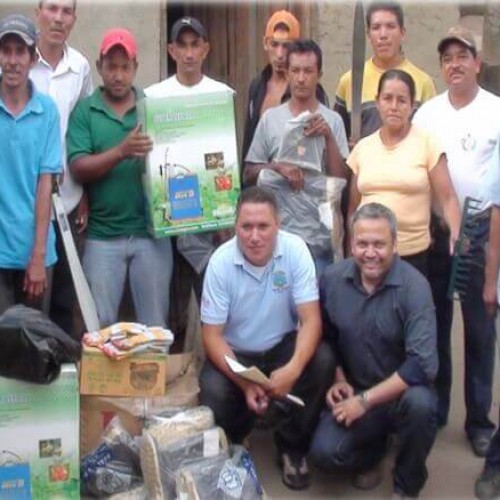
189,47
30,155
465,119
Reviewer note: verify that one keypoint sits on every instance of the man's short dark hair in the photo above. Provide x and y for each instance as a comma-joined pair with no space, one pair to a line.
305,47
373,211
257,194
393,7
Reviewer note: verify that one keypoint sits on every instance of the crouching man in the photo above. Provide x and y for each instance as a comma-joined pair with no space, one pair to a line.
379,316
260,305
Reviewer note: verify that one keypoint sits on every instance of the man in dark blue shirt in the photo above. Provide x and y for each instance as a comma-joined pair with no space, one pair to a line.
379,316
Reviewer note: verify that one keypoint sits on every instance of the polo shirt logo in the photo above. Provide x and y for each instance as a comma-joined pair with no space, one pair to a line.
280,281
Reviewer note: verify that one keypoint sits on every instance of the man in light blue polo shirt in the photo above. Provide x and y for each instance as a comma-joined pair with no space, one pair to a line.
260,306
29,156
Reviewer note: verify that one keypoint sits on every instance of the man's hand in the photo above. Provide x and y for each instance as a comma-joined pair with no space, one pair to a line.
136,144
293,174
348,411
338,392
256,398
282,381
35,279
317,126
82,214
490,298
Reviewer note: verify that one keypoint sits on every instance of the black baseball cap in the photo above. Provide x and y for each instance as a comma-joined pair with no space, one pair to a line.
187,23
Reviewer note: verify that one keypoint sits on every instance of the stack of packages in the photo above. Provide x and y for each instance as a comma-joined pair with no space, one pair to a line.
183,455
126,339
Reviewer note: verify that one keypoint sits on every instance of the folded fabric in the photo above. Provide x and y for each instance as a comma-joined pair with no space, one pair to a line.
125,339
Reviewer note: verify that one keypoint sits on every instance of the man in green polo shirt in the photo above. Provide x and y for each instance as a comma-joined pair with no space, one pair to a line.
106,151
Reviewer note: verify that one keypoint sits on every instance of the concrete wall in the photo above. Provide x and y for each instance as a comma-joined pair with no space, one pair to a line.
145,18
425,24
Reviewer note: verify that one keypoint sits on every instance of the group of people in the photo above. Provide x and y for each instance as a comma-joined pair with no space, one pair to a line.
364,342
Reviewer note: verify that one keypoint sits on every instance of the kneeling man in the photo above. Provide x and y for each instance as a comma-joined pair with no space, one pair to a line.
379,316
260,306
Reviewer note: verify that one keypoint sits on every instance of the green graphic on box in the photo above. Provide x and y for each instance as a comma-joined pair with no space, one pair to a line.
192,179
39,436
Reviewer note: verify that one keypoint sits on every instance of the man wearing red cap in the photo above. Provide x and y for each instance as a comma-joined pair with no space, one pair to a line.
270,87
64,74
106,151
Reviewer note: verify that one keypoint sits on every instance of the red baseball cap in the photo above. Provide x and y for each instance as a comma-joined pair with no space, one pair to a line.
118,36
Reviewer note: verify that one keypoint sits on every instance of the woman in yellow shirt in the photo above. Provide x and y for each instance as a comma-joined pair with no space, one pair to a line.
400,165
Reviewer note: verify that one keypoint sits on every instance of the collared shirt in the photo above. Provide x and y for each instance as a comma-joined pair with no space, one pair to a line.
117,203
377,334
258,306
31,147
67,84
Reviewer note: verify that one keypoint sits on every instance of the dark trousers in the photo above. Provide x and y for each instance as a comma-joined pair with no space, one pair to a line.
479,337
420,261
12,293
295,429
361,446
493,456
63,295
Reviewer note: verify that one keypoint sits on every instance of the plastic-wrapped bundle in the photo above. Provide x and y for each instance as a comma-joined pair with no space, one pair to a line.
313,213
113,467
170,426
220,478
298,149
160,464
32,347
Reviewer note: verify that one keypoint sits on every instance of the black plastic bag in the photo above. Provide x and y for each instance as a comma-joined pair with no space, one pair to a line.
32,347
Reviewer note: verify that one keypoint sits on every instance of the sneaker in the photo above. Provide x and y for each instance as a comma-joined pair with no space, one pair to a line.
295,472
480,445
488,485
368,479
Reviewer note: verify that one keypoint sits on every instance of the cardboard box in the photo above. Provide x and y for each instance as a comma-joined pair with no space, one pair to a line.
39,438
182,389
142,374
192,179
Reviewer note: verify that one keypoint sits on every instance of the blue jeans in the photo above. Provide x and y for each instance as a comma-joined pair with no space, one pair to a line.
148,263
297,424
361,446
479,337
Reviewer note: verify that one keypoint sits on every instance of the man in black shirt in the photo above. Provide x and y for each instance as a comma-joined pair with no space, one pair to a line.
379,316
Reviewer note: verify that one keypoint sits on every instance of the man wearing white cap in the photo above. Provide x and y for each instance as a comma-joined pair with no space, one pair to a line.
30,155
106,150
465,119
